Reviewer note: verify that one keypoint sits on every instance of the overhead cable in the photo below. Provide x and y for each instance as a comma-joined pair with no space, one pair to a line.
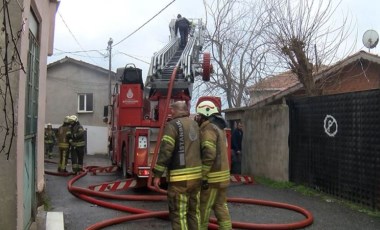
144,24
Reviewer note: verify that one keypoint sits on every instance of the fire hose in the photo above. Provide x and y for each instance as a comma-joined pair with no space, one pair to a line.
88,195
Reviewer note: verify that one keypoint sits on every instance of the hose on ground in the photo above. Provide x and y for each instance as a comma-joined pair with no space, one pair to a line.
85,194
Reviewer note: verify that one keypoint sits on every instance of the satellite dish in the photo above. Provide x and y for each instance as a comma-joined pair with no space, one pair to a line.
370,39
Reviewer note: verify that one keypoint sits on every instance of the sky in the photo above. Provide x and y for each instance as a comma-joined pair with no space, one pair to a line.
84,27
87,25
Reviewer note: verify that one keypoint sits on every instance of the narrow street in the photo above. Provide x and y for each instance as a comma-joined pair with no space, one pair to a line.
79,214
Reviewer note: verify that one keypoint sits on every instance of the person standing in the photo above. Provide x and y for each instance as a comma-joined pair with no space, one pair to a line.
179,155
49,141
78,144
64,134
236,139
215,165
183,25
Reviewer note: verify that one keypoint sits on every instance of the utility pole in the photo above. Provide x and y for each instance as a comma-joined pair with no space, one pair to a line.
109,68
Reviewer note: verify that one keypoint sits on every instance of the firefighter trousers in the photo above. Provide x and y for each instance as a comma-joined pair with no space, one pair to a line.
62,159
215,199
184,208
77,155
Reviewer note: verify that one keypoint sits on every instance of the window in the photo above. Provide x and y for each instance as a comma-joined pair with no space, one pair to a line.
85,102
33,74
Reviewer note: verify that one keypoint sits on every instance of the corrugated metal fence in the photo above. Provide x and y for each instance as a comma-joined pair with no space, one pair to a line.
334,145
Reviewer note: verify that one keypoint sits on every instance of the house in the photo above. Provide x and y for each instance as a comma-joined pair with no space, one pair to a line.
26,41
315,140
79,88
357,72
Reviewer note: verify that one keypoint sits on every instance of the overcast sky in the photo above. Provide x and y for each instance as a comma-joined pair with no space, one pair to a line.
87,25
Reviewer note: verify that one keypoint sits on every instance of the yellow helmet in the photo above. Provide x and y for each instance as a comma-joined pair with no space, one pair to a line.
207,108
67,119
74,118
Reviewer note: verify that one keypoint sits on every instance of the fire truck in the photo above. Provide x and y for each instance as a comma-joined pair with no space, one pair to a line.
138,110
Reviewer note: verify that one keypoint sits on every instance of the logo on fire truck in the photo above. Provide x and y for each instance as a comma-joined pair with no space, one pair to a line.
129,97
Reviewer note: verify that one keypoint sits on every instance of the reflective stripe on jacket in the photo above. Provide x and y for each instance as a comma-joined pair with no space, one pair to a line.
49,136
78,135
180,151
63,136
215,166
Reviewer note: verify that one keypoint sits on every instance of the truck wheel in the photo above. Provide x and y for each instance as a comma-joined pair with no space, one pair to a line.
206,66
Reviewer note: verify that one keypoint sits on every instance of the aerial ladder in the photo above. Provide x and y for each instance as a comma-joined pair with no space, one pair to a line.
139,110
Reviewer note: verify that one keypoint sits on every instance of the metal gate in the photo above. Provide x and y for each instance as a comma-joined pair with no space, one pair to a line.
334,145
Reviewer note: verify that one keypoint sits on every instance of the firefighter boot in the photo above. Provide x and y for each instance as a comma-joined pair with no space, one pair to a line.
76,169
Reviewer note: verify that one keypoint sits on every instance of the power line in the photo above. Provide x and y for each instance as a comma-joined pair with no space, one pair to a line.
81,51
72,34
144,24
77,53
133,57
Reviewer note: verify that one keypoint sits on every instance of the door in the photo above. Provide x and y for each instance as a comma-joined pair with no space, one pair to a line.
31,113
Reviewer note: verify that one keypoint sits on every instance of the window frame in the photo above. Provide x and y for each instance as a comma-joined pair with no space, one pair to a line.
85,106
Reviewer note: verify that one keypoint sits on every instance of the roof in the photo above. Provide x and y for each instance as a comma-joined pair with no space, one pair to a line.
80,63
281,81
290,86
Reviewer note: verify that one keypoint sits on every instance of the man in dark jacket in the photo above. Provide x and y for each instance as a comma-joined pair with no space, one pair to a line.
236,139
183,25
180,155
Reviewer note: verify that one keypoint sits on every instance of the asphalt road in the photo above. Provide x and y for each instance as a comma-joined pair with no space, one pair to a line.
79,214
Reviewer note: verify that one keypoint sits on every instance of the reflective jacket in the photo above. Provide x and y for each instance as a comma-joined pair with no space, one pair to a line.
77,133
49,136
180,151
64,135
215,166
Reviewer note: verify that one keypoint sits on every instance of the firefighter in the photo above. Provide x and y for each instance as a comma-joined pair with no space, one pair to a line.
49,141
215,166
64,134
183,25
78,144
180,155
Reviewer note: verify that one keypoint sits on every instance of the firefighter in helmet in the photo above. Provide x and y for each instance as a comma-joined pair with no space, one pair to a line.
64,134
49,141
180,155
215,166
78,144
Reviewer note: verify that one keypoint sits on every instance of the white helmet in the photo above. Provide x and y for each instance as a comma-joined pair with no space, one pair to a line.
207,108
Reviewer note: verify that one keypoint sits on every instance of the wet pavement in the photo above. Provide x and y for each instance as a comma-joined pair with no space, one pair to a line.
79,214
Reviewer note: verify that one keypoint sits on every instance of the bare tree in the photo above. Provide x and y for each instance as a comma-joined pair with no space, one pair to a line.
235,31
303,34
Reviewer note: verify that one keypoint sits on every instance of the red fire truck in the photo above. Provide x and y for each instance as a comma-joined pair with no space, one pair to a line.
138,110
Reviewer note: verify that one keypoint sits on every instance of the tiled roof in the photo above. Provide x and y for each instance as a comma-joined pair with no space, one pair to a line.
277,82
